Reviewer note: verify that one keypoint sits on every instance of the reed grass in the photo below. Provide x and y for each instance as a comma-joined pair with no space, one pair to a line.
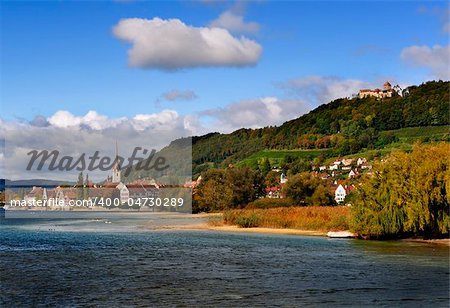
314,218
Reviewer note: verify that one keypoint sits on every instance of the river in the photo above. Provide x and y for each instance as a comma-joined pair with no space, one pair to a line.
111,260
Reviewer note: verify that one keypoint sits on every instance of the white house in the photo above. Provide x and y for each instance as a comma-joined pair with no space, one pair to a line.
35,194
361,161
283,179
347,161
333,167
339,194
366,166
322,168
124,193
352,174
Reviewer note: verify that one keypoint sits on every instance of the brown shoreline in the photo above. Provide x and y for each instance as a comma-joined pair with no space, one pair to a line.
209,226
261,230
442,241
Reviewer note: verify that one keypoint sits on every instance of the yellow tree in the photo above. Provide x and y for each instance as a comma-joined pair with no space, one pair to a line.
408,194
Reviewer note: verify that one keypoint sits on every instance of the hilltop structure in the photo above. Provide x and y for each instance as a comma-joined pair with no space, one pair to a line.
378,93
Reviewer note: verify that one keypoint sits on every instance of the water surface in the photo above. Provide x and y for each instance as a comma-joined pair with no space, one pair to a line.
85,261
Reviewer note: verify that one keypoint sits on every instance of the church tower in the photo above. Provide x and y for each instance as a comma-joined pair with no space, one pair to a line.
116,167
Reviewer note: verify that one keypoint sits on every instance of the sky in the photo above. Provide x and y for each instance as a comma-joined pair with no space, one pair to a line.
198,67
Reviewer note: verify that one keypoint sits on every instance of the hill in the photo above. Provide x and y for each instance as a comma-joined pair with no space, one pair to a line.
339,128
27,184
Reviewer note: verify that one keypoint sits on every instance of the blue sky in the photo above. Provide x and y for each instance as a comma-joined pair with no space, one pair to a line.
81,76
65,56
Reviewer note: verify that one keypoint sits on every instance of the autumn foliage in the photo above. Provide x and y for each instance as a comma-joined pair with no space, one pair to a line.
408,195
316,218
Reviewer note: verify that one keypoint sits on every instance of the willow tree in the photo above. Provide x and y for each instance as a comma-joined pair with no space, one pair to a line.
407,194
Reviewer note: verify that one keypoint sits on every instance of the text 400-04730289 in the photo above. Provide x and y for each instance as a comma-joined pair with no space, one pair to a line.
94,162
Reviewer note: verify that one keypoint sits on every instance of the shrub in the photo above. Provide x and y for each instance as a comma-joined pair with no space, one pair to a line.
251,221
266,203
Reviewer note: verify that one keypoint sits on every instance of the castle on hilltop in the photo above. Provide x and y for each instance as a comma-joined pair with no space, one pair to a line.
378,93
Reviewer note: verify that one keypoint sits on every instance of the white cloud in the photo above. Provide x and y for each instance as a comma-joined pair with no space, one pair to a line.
165,119
39,121
192,123
170,44
255,113
72,135
235,23
435,59
92,120
322,89
175,95
64,119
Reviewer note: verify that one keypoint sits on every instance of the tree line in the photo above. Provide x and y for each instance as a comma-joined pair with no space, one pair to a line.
237,187
406,194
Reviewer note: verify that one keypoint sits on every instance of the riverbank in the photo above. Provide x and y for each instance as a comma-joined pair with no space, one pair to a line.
442,241
215,222
207,226
234,228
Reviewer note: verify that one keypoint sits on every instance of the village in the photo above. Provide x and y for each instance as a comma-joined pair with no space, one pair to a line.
342,174
110,193
113,192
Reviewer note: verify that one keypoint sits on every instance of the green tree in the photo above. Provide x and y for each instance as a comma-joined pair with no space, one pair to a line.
322,196
305,189
247,185
272,179
408,194
213,193
228,188
265,166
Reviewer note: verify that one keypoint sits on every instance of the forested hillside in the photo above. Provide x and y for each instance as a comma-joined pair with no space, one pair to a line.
344,125
341,127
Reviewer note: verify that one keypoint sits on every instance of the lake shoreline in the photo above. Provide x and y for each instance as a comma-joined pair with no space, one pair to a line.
237,229
263,230
213,222
211,225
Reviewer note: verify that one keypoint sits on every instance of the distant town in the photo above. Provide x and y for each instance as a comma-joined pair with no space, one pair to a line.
110,193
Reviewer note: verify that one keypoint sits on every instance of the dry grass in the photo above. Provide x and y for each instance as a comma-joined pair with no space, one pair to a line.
316,218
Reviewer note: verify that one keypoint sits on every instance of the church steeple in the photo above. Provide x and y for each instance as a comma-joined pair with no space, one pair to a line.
116,167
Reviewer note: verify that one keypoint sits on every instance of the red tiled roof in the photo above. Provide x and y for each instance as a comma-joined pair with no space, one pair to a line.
272,189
